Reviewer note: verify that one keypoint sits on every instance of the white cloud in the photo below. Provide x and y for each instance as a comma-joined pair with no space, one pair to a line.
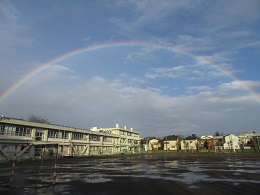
141,95
52,74
87,39
8,12
11,30
186,72
250,84
193,44
96,102
144,53
192,89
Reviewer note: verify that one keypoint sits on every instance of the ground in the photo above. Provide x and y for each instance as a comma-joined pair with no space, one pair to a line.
171,173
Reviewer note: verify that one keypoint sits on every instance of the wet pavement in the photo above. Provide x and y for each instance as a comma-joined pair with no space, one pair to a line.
174,173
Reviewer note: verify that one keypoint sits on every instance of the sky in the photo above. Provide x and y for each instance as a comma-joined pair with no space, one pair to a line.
160,67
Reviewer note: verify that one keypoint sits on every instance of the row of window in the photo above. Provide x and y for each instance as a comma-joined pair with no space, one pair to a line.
15,130
128,134
58,134
78,136
130,141
125,133
25,131
107,139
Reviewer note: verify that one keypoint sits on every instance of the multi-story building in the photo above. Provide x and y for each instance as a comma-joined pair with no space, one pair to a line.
29,139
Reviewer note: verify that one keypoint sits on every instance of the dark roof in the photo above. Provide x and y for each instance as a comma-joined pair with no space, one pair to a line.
191,138
169,138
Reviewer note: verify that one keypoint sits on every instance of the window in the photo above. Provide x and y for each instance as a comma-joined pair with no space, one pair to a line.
15,130
107,139
123,140
58,134
53,134
77,136
2,127
94,138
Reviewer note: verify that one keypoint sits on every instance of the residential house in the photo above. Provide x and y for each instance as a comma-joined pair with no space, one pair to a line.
172,144
218,140
189,143
155,144
231,142
206,142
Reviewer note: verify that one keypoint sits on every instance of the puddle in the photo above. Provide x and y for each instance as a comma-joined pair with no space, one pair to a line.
171,168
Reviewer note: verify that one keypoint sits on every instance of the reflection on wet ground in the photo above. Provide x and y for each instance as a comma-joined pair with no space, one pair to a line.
189,170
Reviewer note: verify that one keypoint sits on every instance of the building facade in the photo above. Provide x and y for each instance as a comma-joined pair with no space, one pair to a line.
189,143
29,140
172,144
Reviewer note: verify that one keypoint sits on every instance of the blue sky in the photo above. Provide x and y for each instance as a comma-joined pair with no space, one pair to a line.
154,90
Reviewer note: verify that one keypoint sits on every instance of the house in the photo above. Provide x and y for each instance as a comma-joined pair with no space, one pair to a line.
218,140
231,142
189,143
172,144
155,144
252,139
206,142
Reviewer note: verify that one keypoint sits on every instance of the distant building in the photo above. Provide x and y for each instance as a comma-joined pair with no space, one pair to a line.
189,143
231,142
30,139
218,140
172,144
206,142
155,144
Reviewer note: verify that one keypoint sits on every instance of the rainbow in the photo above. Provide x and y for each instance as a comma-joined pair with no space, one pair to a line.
79,51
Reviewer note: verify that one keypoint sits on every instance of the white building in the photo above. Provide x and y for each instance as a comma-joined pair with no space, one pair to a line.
189,143
172,144
231,142
30,139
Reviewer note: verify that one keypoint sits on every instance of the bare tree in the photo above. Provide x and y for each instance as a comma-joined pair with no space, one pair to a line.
37,119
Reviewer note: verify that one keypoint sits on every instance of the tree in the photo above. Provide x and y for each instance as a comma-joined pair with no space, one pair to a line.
38,119
217,133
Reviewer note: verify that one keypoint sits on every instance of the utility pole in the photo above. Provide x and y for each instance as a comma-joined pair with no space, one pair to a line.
166,145
258,142
147,145
185,145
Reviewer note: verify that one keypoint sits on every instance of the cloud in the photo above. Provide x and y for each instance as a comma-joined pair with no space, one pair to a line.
96,101
228,13
155,91
145,53
254,85
192,89
55,73
9,25
9,14
146,16
193,44
185,72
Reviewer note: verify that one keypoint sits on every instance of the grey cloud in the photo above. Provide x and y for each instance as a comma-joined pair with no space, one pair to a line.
97,102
